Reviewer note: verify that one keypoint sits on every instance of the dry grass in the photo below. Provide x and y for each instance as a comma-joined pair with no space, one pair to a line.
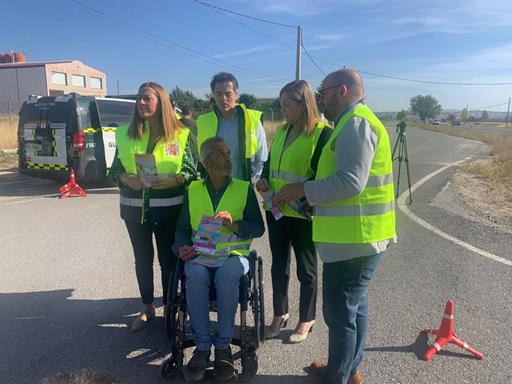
495,172
270,130
8,129
8,160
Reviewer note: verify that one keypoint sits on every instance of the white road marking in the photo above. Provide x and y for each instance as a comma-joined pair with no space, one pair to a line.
404,208
113,325
137,353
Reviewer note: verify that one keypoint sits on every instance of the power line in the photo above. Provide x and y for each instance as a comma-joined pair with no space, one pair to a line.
430,82
253,29
311,58
158,39
415,80
242,15
489,106
184,37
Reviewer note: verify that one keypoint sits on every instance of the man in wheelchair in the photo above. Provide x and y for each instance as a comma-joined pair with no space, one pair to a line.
232,204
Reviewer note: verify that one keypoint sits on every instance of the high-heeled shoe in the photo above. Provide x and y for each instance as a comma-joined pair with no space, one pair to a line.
274,329
142,320
298,337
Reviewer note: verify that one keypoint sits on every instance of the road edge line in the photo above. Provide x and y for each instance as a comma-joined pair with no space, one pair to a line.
404,208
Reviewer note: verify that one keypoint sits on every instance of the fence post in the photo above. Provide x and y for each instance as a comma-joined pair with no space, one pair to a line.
9,109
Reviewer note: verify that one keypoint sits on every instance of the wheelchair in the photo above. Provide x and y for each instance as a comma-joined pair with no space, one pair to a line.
248,337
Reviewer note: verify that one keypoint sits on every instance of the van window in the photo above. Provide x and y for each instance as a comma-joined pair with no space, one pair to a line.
114,113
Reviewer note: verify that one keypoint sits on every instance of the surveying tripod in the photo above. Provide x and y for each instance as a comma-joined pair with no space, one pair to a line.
401,144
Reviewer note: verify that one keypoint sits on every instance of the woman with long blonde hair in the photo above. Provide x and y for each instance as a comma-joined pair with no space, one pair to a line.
150,206
293,158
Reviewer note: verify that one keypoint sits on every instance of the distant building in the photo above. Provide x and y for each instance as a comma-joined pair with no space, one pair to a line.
52,78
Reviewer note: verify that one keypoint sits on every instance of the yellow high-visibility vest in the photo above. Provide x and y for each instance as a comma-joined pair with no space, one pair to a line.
207,127
233,200
293,165
369,216
168,155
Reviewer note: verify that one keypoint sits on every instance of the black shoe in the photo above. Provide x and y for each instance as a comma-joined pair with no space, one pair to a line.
196,368
223,369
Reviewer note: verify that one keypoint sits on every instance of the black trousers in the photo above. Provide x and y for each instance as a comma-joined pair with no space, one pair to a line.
141,236
285,233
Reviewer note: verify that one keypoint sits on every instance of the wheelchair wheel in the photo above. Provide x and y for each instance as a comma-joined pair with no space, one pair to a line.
258,303
172,302
172,367
249,364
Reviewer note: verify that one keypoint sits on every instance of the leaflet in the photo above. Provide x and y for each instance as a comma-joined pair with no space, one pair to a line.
205,242
146,168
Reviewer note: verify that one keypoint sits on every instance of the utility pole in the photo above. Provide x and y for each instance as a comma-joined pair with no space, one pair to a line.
508,110
117,87
298,58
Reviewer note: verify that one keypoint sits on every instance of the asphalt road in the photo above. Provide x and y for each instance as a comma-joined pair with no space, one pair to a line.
68,289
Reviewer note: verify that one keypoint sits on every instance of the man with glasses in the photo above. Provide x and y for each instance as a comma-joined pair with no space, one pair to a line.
354,218
240,127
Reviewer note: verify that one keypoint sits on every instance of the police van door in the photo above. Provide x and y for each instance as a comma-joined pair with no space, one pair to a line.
113,113
45,137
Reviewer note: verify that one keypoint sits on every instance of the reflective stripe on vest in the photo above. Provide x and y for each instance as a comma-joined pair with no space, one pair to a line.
207,125
355,210
369,216
287,176
293,164
165,202
130,201
233,200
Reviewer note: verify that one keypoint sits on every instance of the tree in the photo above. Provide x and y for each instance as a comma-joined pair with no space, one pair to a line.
426,107
485,116
248,100
451,117
182,97
464,115
402,115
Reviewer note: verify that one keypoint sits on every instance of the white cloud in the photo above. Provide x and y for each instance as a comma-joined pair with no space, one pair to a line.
331,37
242,52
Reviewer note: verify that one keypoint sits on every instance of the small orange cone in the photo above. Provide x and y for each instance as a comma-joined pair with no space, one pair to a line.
445,335
71,188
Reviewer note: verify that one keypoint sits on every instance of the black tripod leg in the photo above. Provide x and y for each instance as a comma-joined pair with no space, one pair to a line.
400,150
406,158
394,147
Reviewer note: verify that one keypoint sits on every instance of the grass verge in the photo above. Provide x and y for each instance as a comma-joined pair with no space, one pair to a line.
8,131
496,171
8,160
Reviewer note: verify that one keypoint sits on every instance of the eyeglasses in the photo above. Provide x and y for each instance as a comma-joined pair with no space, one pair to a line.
228,95
321,92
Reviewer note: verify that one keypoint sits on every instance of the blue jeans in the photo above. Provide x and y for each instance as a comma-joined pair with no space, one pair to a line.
345,308
227,282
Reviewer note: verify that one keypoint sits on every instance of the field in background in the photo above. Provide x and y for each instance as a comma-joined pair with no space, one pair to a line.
496,172
8,141
8,129
270,130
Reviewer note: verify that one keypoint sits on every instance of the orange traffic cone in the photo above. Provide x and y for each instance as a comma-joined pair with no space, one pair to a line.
445,335
71,188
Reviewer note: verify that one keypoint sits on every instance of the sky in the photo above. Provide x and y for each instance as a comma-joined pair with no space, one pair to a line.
184,43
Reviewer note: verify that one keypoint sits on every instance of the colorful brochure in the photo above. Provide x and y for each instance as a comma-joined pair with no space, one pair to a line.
205,242
146,168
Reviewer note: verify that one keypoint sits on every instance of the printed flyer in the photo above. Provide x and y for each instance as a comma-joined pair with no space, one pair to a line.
205,241
146,168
